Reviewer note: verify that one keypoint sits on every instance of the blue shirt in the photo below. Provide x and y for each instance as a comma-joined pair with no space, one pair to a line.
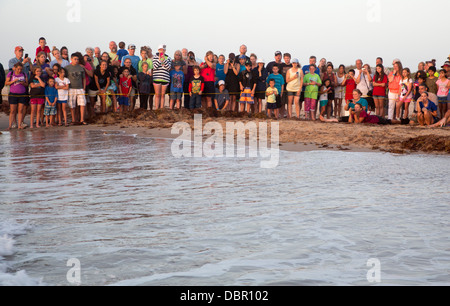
134,61
361,101
51,93
121,53
176,81
279,81
220,73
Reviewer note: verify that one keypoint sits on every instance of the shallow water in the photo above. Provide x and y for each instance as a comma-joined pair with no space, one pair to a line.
134,215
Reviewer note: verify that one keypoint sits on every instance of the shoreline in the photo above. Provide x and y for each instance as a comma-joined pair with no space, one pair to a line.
294,135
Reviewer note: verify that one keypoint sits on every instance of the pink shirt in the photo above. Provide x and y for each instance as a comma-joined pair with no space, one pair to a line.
442,87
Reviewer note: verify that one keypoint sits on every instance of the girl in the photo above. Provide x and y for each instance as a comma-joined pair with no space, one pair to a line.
312,82
426,110
406,93
100,84
260,73
339,93
62,85
379,90
144,79
208,72
162,64
350,85
294,82
330,75
46,71
190,64
394,88
323,92
37,94
443,89
231,70
17,80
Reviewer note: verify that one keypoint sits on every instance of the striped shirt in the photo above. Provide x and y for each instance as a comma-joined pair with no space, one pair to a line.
161,70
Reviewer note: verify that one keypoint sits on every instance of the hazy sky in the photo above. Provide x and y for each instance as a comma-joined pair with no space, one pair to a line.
340,31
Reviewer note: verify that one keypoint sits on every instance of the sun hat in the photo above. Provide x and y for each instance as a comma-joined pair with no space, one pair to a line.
221,82
260,60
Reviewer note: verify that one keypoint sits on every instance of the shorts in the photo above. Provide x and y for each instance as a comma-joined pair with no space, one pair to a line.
246,96
125,101
271,105
61,102
176,95
37,101
405,99
93,93
209,90
379,97
76,98
15,99
443,100
323,103
292,93
163,83
49,110
278,103
339,92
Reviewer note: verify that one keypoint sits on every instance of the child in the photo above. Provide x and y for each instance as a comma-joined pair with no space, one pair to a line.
37,94
124,90
113,88
312,82
51,96
279,82
176,85
121,52
350,85
196,87
323,99
222,98
443,89
43,48
406,93
62,85
248,84
272,94
145,78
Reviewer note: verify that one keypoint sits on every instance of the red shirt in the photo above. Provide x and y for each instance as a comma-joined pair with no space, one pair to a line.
39,49
125,86
368,118
380,90
208,74
350,85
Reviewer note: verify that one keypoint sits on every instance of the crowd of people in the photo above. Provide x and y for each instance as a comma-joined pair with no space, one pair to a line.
114,81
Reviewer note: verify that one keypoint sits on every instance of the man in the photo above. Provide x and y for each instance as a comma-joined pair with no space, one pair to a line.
131,55
18,51
98,54
127,64
77,88
184,54
242,52
276,62
363,78
113,54
446,67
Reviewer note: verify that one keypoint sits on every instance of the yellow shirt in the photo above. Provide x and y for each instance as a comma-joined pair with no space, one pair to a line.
271,98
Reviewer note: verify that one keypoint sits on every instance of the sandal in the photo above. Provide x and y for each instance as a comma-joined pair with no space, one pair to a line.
83,123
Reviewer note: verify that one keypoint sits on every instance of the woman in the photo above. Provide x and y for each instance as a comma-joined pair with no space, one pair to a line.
65,53
162,64
253,60
260,73
99,86
294,83
190,64
208,72
58,59
380,81
426,110
406,94
394,88
368,83
330,75
339,92
18,82
231,70
178,58
92,59
357,99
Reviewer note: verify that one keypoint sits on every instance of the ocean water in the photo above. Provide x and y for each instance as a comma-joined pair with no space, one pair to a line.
129,213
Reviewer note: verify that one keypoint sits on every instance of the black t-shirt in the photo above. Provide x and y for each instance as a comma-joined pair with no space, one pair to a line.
37,92
102,79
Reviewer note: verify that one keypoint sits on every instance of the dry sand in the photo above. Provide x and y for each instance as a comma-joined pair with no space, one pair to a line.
295,135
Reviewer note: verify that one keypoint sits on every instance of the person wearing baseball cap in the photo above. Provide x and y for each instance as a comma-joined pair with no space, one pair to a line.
18,52
260,74
277,60
222,97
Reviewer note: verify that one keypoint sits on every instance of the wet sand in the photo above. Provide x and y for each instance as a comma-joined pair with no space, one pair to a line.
295,135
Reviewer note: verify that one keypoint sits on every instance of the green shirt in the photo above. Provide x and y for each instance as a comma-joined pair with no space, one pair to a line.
149,62
312,91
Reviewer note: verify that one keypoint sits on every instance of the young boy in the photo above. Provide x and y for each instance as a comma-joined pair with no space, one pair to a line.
271,94
196,87
279,82
124,90
51,96
222,98
176,85
312,82
121,52
43,47
248,84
